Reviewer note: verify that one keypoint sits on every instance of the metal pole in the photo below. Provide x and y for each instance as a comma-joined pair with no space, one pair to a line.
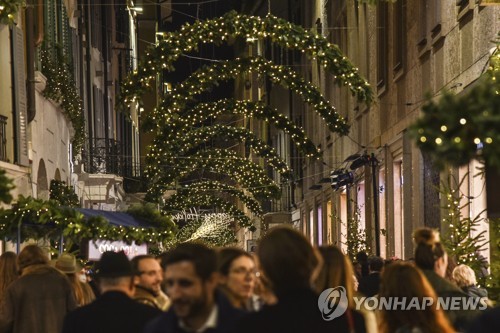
375,204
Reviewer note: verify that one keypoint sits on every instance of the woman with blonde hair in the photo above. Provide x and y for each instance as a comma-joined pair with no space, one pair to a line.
9,271
407,316
66,263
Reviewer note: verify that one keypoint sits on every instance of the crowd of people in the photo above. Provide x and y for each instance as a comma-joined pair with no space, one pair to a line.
280,288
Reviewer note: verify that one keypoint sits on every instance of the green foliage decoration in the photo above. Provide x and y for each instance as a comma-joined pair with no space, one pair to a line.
196,116
458,128
5,187
61,89
461,237
170,160
232,24
41,219
9,9
63,194
217,187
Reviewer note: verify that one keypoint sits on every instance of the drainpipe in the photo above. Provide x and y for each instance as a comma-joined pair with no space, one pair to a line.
30,61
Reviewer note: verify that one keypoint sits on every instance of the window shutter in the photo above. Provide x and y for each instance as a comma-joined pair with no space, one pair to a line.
20,111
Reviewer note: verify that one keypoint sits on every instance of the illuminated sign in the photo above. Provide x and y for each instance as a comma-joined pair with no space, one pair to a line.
97,248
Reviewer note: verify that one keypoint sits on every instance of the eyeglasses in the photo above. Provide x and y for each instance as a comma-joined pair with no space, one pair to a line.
244,271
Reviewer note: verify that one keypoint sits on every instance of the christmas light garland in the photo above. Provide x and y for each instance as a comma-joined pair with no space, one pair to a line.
61,89
39,219
9,9
183,142
232,24
459,128
216,187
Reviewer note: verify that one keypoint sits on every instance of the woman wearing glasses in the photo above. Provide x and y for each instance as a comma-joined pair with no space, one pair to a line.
238,274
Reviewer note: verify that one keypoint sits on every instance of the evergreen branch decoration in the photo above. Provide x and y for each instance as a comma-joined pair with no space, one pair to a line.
459,239
48,220
9,9
232,24
204,111
218,161
185,146
208,76
64,195
458,128
194,138
61,89
5,187
217,187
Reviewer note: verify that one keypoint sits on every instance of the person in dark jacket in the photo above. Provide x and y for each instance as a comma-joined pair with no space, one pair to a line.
290,263
370,284
114,311
191,279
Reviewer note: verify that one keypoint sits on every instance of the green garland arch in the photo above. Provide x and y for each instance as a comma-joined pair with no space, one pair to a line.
218,187
219,161
209,76
232,24
194,138
204,111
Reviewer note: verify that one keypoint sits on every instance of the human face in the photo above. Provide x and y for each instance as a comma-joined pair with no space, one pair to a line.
440,265
150,275
240,279
191,297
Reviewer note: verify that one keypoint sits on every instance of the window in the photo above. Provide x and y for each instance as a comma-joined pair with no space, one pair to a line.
382,29
399,35
320,225
311,226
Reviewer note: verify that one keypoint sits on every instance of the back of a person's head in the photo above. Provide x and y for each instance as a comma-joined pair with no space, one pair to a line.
31,255
376,264
226,256
287,258
428,247
464,276
336,271
406,283
202,257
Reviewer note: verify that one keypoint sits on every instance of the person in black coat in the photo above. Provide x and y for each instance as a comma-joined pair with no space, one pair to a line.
114,310
369,285
190,279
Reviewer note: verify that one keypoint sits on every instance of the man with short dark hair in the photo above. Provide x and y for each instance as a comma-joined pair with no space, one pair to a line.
190,278
147,280
114,310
